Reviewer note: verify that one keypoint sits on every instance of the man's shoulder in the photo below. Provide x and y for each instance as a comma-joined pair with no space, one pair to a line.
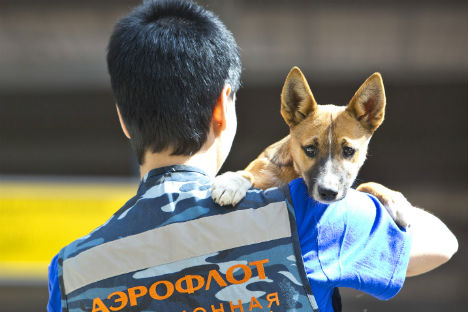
358,202
109,230
256,198
358,205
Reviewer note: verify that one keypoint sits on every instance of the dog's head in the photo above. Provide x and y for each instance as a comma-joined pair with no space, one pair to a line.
328,142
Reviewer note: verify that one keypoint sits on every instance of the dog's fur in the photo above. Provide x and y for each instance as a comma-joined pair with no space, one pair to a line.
327,146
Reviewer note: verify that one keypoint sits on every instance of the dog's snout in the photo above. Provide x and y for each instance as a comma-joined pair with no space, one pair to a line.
327,194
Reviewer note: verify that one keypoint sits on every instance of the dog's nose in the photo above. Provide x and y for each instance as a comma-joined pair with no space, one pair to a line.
327,194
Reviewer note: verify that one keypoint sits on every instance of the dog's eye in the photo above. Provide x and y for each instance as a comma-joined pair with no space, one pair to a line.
310,150
348,152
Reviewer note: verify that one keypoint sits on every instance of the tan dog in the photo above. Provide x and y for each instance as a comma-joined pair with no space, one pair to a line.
327,146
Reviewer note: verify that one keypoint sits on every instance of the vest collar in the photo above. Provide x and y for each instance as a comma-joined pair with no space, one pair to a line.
166,172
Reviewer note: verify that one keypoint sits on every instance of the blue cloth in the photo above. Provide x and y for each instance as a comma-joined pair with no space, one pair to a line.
350,243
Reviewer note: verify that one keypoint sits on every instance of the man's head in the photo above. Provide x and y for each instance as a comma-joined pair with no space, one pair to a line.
169,62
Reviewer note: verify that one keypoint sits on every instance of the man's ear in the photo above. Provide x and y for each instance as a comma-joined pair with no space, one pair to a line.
297,101
368,103
220,110
122,124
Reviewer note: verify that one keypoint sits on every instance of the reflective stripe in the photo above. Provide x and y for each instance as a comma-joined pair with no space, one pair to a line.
176,242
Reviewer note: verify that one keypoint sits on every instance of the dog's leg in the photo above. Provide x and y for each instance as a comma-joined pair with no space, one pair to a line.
395,203
272,168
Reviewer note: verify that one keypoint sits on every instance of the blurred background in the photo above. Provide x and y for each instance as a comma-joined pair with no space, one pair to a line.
65,165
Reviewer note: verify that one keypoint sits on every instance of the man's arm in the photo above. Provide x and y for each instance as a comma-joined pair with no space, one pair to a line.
54,304
433,243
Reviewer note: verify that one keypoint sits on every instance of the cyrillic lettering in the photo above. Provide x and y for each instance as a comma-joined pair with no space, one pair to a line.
133,295
98,305
169,290
254,304
230,274
123,299
273,297
220,309
260,268
213,274
190,289
234,307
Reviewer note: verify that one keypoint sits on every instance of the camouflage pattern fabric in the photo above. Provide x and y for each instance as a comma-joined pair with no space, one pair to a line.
170,248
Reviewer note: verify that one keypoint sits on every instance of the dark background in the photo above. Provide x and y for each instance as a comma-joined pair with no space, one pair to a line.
57,115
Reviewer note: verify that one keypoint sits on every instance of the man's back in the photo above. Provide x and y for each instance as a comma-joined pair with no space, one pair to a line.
170,247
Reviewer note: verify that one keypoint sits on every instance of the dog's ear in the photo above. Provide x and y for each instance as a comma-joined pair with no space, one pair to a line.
368,103
297,100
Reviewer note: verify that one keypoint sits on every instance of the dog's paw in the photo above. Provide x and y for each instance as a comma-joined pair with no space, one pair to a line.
394,202
229,188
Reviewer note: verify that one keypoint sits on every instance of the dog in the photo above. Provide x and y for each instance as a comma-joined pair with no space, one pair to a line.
327,146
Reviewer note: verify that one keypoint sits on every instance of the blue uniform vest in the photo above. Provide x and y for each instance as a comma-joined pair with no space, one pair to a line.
170,248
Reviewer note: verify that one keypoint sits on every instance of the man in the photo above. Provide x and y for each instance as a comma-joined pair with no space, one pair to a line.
174,71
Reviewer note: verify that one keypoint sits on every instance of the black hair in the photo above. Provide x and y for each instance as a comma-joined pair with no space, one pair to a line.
168,62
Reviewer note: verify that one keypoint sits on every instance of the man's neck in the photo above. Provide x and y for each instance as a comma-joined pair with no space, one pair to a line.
205,159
